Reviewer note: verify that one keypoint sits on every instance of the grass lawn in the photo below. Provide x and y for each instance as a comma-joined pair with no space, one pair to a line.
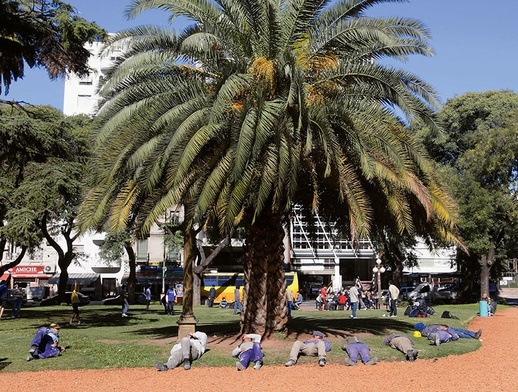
106,340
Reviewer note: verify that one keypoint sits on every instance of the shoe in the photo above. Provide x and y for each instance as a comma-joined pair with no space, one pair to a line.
353,317
350,362
124,315
187,364
321,362
384,314
478,334
33,349
29,358
161,367
372,361
411,355
258,365
393,315
240,366
435,338
291,362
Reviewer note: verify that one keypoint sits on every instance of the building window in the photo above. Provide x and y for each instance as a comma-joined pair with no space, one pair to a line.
142,253
84,100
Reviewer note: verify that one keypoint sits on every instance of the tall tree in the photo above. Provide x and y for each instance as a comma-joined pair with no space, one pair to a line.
260,104
42,160
46,34
479,151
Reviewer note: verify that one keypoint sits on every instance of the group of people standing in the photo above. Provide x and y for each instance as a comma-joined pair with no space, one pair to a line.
17,295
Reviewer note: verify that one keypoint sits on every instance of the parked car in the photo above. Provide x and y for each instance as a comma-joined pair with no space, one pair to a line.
139,299
434,293
405,291
54,300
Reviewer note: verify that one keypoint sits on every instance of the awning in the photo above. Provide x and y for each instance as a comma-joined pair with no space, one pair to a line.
5,276
82,279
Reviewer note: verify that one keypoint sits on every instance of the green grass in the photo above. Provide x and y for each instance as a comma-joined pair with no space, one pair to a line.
108,341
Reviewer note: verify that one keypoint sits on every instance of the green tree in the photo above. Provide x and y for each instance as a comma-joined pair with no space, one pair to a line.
479,151
42,161
258,105
43,33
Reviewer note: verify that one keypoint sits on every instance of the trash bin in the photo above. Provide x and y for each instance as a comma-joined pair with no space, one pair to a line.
483,309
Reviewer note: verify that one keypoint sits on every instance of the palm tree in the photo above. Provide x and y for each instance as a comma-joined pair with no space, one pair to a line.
258,105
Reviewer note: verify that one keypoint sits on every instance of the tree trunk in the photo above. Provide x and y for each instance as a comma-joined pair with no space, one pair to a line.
189,236
196,289
264,291
132,278
486,261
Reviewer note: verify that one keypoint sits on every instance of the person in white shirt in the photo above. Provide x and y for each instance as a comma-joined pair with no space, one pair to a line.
394,295
190,348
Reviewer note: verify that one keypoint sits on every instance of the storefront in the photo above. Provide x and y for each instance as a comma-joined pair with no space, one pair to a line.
32,279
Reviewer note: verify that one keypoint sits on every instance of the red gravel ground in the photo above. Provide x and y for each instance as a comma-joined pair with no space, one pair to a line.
494,367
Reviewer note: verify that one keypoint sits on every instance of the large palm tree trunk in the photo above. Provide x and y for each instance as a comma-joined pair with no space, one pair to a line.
264,299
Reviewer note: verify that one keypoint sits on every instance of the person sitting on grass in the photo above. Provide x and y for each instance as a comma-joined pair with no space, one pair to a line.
318,346
190,348
45,343
249,351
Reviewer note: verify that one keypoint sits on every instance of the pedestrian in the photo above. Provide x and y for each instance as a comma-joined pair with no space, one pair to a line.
290,299
3,297
148,297
249,351
125,303
393,298
170,297
212,296
402,343
317,346
354,296
74,298
355,347
238,305
190,348
17,304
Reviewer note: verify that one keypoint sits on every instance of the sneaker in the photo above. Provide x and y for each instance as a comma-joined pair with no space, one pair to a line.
353,317
33,349
240,366
411,355
161,367
124,315
291,362
321,362
258,365
29,358
350,362
187,364
393,315
384,314
478,334
435,338
372,361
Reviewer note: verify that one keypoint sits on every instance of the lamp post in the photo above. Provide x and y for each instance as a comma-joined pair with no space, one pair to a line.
378,269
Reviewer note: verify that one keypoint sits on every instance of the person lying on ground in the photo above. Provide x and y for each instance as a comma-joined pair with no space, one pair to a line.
249,351
437,333
190,348
318,346
462,333
402,343
45,343
355,347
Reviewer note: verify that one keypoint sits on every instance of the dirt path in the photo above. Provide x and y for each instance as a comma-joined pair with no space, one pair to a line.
494,367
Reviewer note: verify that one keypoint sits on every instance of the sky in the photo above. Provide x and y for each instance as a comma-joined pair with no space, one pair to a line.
475,43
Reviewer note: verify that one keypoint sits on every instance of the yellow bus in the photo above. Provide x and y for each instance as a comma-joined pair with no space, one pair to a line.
226,282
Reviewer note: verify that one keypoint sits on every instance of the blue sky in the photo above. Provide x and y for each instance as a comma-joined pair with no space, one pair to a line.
475,43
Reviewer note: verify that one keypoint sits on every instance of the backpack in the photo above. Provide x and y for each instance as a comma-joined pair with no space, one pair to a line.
447,314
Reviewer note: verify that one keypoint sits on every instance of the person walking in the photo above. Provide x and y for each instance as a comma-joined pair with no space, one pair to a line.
125,303
212,296
148,297
170,297
74,298
238,305
290,299
394,295
354,296
17,304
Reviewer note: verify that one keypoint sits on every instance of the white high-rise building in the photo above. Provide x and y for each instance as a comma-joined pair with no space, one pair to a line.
81,93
